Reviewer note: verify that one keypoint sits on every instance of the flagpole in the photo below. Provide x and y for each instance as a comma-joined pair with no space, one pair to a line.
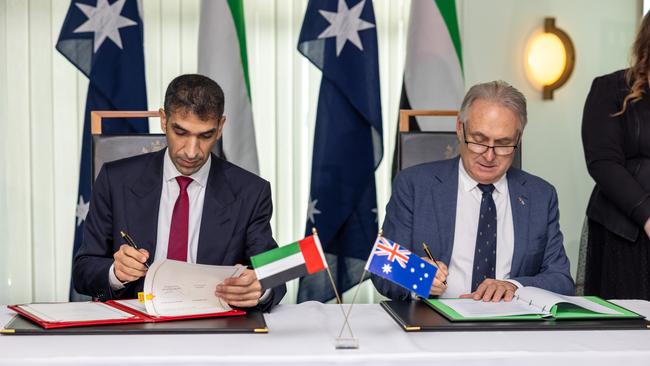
336,292
354,298
329,274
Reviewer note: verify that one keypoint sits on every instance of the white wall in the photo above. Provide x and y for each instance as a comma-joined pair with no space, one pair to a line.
494,35
42,99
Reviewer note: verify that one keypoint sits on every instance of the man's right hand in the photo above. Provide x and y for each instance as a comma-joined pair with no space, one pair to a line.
129,263
646,227
438,286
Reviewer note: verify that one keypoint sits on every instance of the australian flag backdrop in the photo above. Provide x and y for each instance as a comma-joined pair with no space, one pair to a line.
103,39
340,38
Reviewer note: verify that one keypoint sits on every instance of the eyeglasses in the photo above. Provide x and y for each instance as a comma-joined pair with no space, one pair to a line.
501,150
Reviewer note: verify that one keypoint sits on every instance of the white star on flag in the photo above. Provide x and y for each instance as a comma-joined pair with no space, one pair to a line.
105,21
386,268
82,210
312,210
345,25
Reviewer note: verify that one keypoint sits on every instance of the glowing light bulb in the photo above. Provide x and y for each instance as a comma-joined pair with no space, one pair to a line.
545,59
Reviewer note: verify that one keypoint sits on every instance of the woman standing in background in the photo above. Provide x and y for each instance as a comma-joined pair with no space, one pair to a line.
616,140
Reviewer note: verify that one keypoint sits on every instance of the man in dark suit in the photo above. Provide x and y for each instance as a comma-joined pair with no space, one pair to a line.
180,203
491,227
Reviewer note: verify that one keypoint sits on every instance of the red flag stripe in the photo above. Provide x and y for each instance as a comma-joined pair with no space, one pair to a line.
393,252
313,259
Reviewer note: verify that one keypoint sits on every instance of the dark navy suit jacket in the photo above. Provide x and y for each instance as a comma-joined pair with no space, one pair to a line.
422,208
126,196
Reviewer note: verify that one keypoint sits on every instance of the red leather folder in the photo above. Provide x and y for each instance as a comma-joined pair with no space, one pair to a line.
138,317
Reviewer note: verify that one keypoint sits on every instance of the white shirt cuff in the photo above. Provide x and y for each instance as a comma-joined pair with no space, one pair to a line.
113,281
265,296
515,283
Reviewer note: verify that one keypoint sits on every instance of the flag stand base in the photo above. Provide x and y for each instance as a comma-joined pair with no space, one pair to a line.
351,342
346,343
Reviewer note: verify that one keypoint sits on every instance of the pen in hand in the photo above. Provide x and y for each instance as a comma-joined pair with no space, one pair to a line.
428,252
130,241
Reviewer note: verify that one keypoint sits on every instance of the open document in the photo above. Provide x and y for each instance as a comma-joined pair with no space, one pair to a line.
173,290
531,303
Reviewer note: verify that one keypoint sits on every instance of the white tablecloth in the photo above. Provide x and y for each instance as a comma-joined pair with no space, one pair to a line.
304,335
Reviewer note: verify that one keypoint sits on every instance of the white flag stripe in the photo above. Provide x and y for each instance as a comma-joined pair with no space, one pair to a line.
278,266
433,76
220,60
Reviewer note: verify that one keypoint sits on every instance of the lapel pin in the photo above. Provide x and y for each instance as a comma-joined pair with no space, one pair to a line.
521,201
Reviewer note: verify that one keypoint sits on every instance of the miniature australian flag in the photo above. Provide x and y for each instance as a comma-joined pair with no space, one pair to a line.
397,264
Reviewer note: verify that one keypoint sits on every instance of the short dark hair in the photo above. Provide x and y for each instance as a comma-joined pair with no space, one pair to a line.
196,94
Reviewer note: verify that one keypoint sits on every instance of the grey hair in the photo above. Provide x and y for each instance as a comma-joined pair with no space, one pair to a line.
497,91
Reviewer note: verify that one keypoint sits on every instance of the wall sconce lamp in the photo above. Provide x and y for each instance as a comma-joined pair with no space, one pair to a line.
550,58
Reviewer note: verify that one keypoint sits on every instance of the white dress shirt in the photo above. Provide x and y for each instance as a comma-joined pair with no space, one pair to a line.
168,196
468,208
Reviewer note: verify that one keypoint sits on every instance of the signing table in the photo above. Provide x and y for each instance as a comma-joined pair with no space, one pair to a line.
304,335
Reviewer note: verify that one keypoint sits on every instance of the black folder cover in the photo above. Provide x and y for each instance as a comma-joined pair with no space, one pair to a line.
252,322
415,316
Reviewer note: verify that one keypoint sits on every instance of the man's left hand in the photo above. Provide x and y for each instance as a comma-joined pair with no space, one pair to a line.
493,290
243,291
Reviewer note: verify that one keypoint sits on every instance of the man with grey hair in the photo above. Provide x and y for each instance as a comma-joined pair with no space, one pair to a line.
491,228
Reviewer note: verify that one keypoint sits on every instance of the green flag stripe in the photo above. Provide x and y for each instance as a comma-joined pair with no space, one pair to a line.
237,11
275,254
448,11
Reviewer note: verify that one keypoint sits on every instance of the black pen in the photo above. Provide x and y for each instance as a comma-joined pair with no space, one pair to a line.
130,241
426,250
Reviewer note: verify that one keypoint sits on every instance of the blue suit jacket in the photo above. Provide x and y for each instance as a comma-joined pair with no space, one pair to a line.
422,208
126,196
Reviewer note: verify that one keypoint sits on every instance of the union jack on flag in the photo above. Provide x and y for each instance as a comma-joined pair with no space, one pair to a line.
385,247
413,273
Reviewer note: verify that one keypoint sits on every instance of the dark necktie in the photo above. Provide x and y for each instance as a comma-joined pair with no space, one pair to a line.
178,231
485,252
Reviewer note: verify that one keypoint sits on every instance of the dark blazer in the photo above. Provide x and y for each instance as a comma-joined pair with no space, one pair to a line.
617,151
126,196
422,208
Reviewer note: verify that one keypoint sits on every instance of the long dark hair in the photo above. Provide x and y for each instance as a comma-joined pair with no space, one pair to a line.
637,75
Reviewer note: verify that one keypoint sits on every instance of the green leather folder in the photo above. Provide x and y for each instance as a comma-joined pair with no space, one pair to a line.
420,316
562,311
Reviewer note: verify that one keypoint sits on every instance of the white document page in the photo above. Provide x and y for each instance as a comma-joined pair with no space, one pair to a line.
471,308
74,311
174,288
134,304
527,300
546,299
